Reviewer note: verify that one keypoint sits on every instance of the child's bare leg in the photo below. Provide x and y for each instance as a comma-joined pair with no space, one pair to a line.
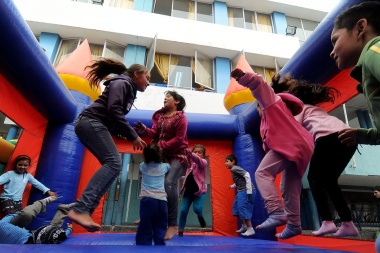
84,220
243,227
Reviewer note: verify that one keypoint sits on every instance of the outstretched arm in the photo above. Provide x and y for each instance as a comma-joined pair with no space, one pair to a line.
259,88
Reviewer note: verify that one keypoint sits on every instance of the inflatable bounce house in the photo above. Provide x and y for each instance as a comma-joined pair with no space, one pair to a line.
45,102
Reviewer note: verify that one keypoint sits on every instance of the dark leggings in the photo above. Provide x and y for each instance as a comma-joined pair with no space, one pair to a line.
329,160
171,179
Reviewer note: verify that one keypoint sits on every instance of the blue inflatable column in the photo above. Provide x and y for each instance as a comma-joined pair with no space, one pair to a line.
247,147
60,164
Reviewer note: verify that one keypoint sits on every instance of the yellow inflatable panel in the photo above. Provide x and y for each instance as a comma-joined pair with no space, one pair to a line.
81,85
237,98
6,150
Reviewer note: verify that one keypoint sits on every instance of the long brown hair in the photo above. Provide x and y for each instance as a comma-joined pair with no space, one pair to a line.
308,93
101,68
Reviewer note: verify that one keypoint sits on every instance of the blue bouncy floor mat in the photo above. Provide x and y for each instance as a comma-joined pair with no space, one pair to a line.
117,243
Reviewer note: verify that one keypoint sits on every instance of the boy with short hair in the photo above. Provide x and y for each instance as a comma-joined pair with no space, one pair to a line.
243,203
356,41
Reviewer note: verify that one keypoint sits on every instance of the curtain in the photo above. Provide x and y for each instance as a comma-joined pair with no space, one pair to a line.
125,4
253,22
63,53
269,73
264,23
258,70
191,10
161,61
230,17
96,51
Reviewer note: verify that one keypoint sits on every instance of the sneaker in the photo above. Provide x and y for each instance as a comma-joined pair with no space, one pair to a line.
328,227
202,221
180,232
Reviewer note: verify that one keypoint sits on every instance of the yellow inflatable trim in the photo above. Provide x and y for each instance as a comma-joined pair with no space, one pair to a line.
237,98
81,85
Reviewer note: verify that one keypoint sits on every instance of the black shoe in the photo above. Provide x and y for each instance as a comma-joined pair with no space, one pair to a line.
180,234
202,221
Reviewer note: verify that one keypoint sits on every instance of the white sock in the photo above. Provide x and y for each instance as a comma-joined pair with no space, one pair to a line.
249,232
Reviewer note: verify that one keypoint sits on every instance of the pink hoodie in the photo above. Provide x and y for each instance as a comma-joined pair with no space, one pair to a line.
279,130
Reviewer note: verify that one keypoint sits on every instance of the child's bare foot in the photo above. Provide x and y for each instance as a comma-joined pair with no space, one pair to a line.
84,220
170,232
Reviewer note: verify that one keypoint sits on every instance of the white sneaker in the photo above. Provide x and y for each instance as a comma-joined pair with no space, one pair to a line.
249,232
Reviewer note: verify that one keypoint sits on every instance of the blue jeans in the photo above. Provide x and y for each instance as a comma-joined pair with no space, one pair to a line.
186,203
97,139
171,179
153,222
243,205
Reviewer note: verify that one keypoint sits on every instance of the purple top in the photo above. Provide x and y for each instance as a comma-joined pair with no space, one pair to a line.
113,104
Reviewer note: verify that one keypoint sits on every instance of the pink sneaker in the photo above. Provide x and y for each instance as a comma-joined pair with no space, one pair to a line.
347,229
328,227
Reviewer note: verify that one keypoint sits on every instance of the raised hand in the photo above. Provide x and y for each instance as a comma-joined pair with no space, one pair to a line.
237,74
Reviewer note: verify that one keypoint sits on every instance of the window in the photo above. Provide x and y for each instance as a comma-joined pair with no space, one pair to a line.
264,23
180,72
163,7
309,27
249,20
204,13
186,9
183,72
204,69
96,51
267,73
235,60
235,17
114,51
304,28
66,47
150,54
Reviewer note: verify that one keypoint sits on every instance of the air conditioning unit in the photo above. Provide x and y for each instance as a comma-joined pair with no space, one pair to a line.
98,2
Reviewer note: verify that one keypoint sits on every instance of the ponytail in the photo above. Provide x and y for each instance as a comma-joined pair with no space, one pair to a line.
101,68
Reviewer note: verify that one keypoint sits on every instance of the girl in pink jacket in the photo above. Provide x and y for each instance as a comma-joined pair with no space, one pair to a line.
194,187
323,176
288,148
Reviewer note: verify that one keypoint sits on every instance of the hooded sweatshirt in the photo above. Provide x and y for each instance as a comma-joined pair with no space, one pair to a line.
279,130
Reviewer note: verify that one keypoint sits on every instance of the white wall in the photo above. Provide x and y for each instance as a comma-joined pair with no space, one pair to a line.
196,102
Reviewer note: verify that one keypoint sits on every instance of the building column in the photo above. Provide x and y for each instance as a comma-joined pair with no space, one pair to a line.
220,13
143,5
279,23
134,54
222,74
50,43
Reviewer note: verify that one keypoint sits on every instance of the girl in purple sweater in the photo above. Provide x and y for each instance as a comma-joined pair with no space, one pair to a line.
169,131
288,148
323,176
